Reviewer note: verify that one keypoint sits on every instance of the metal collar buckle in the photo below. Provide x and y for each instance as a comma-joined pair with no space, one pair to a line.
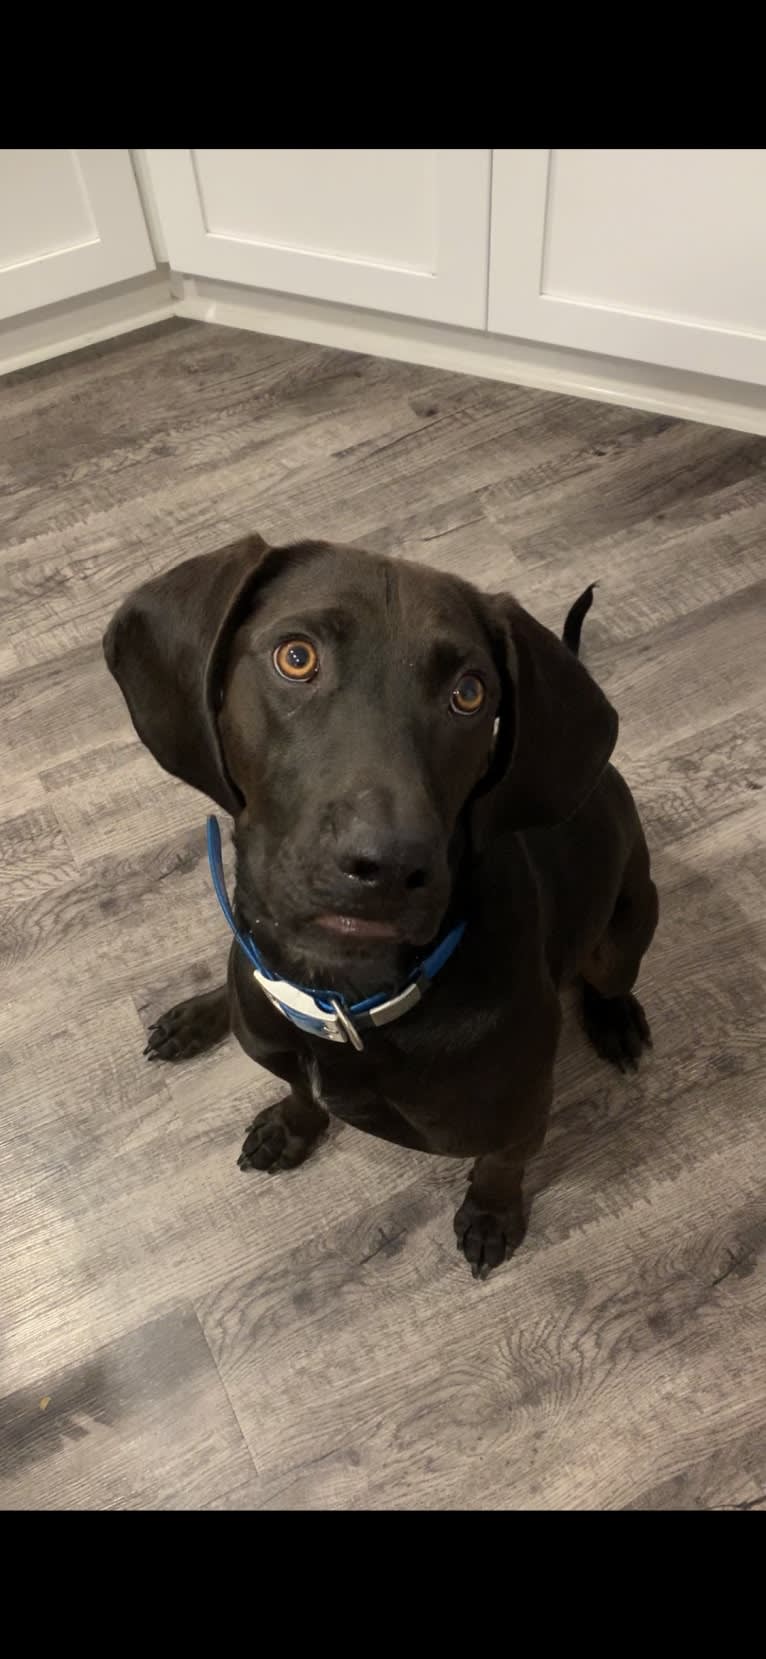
346,1024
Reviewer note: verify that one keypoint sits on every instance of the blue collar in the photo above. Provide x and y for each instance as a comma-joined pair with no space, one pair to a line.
322,1013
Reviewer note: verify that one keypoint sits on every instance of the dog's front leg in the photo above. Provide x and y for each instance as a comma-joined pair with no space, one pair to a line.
490,1223
283,1135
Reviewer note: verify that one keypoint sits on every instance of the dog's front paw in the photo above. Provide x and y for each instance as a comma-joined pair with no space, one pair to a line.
271,1144
617,1027
190,1028
485,1238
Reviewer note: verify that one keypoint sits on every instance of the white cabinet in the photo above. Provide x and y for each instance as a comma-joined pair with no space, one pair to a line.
70,221
404,231
655,255
603,272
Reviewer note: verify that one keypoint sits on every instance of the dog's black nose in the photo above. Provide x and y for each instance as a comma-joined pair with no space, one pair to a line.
385,862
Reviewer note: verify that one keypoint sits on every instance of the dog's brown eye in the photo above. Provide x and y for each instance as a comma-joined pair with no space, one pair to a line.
296,659
468,695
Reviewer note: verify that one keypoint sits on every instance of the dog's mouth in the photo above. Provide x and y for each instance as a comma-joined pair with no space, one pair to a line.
358,955
362,928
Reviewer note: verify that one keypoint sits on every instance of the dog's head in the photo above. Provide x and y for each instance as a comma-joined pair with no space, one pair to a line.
351,712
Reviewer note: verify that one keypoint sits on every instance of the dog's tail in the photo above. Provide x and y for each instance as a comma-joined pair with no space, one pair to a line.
575,618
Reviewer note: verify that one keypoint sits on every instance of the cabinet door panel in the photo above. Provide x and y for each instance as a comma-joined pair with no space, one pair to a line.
396,230
70,221
656,255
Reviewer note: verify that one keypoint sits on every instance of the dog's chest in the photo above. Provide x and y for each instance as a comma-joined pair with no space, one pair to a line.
436,1110
340,1092
314,1073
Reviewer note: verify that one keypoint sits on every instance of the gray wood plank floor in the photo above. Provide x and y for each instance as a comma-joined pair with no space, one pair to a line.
176,1335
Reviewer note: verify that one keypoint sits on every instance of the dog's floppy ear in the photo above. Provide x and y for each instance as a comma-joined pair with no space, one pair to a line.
165,648
557,729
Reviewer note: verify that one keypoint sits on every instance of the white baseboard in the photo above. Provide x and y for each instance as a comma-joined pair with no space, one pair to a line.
437,345
54,329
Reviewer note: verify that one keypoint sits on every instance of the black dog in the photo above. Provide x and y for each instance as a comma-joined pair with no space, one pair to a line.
426,822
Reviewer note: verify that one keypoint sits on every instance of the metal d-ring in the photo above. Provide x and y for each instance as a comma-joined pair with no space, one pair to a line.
347,1024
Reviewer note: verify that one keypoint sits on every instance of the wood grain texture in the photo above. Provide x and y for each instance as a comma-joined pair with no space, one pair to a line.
112,1411
177,1335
